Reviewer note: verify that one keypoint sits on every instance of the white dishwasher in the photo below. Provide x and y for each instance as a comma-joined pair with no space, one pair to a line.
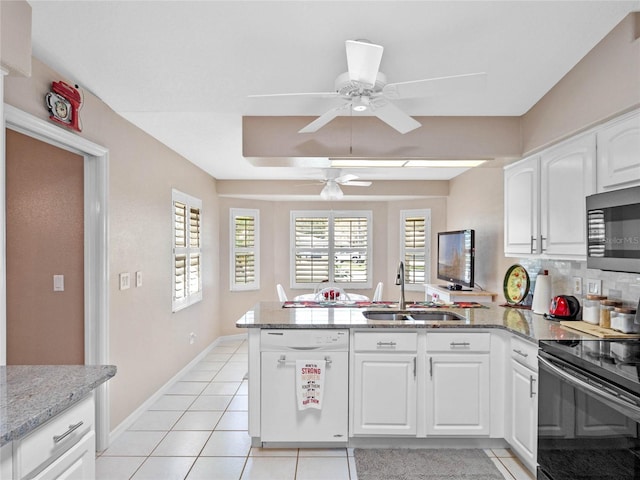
281,420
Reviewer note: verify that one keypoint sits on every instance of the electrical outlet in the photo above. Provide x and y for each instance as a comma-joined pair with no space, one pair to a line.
577,285
192,338
138,279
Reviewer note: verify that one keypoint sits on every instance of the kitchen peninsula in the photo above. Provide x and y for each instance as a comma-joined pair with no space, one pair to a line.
47,420
397,383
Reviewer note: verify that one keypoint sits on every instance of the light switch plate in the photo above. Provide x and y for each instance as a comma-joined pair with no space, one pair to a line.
125,281
594,287
58,283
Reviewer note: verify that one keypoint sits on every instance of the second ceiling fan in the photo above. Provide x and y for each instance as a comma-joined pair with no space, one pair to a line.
364,87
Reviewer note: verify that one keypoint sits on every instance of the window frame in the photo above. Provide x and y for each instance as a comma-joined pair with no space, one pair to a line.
190,298
426,251
330,215
255,250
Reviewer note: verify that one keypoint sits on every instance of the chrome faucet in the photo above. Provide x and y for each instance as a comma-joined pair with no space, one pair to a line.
400,281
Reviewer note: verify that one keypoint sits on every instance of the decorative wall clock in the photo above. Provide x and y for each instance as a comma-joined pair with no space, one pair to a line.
63,102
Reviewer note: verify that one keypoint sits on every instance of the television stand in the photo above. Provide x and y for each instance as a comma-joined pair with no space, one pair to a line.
455,288
443,293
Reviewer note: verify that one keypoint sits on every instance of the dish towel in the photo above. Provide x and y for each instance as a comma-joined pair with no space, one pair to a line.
309,383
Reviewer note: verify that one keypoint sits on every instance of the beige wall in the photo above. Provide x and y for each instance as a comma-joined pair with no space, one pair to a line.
605,83
476,201
147,342
44,237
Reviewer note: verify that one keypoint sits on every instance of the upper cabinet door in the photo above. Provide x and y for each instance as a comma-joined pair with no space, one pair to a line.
619,153
521,185
567,176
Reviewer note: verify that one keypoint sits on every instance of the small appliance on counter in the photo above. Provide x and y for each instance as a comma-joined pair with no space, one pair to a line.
564,307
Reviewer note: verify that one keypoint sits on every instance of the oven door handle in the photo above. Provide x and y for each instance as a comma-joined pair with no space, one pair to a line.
610,398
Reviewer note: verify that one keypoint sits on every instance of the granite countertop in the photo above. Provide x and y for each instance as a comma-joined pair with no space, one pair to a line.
524,323
32,394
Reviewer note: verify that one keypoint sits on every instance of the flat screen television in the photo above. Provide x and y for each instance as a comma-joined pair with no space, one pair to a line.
456,252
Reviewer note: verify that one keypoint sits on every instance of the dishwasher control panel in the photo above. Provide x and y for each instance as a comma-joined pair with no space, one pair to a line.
297,339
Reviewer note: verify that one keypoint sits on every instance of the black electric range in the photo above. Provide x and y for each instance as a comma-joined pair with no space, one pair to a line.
589,410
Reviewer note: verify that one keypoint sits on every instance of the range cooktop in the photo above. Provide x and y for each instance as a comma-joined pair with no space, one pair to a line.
617,361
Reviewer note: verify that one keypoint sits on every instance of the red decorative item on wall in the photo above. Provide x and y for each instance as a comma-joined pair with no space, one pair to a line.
64,103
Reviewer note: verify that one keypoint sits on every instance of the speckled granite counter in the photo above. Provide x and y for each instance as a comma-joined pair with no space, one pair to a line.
31,395
524,323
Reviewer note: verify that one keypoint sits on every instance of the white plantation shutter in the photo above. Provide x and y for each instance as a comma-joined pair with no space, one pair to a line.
330,246
245,248
187,257
415,231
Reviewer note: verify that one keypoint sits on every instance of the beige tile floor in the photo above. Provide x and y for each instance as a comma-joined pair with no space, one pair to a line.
198,431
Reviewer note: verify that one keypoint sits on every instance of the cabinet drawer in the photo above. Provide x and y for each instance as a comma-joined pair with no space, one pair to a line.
55,437
386,341
524,352
458,342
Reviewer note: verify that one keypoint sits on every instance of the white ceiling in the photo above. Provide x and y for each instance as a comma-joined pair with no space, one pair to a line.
182,70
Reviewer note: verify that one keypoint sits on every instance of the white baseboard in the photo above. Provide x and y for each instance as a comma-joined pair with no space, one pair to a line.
135,415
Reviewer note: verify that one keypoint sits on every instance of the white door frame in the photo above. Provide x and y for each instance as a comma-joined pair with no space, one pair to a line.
96,261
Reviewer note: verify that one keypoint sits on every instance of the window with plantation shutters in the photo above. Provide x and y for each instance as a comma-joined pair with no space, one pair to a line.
331,246
415,231
245,249
187,255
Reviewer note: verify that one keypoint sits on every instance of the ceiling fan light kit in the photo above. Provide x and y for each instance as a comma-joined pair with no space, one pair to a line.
365,89
331,191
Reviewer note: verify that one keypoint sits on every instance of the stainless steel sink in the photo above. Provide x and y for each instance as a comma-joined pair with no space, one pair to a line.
408,315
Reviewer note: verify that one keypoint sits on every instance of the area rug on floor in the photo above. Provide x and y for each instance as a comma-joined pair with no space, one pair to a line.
424,464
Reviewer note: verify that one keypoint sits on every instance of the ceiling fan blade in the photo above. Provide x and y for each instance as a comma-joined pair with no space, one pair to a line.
347,177
363,60
313,94
394,117
323,119
356,183
436,86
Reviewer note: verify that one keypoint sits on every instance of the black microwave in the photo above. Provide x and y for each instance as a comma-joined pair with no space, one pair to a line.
613,230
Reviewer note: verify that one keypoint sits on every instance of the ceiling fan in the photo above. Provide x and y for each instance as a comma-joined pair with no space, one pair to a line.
364,87
333,180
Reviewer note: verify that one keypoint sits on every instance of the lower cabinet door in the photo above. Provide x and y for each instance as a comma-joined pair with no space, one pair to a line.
524,413
458,395
384,400
78,463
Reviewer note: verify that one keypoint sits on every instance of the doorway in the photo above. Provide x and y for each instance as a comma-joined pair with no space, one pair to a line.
96,285
45,253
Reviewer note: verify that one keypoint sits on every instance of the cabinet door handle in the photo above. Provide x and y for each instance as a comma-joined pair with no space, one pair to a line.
386,344
283,360
414,367
533,239
520,352
531,382
431,367
72,428
542,240
459,344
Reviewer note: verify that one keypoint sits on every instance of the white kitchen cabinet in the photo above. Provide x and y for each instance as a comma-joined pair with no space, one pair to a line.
521,205
385,383
618,159
567,176
62,448
524,413
544,200
458,384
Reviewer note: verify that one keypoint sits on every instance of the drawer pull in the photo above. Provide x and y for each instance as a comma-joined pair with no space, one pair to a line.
459,344
531,382
72,428
520,352
386,344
